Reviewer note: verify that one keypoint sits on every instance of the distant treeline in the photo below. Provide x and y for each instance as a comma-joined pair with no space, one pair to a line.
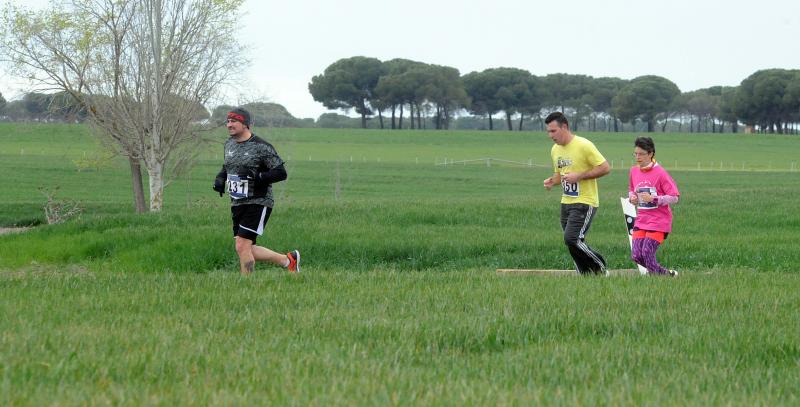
58,107
401,93
404,94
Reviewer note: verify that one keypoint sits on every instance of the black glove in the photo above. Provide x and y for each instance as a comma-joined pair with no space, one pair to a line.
270,176
219,185
255,177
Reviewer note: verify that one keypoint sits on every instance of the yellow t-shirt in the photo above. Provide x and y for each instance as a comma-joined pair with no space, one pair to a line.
579,155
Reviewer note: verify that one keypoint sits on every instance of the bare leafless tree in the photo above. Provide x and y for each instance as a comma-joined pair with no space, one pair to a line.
139,68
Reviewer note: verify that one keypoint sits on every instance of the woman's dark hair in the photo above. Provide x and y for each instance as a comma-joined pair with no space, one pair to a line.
646,144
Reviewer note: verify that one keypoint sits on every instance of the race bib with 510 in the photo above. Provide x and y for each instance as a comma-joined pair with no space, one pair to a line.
570,188
237,187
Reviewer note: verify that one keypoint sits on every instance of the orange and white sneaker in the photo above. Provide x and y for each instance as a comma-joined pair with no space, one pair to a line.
294,261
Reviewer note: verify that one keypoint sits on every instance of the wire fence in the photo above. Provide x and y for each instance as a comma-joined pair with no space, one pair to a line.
622,163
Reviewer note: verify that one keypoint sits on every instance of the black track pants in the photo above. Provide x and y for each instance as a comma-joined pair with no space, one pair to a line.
575,222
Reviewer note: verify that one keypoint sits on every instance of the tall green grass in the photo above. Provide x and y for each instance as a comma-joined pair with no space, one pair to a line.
387,209
398,303
397,337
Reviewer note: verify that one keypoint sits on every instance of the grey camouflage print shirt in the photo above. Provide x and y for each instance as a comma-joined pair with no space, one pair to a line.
252,154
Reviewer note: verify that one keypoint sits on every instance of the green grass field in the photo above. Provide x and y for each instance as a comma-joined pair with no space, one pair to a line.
398,302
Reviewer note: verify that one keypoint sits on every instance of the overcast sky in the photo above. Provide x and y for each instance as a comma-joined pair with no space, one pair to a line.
694,43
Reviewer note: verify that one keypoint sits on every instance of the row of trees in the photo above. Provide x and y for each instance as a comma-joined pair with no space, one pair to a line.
58,107
42,107
62,107
768,99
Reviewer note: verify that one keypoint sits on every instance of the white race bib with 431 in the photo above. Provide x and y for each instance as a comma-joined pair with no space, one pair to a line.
237,186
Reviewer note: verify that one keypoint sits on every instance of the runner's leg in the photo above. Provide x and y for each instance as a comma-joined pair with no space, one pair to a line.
636,253
649,248
244,248
261,253
579,220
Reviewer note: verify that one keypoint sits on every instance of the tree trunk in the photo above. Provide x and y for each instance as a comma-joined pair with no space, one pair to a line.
155,168
491,124
616,125
363,119
400,125
419,117
394,107
735,126
380,118
508,120
138,186
521,117
155,172
651,126
411,115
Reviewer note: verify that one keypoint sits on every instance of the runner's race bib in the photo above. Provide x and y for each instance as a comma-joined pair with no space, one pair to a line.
646,205
237,186
570,188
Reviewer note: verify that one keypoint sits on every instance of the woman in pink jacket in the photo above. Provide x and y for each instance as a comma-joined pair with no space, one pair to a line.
653,191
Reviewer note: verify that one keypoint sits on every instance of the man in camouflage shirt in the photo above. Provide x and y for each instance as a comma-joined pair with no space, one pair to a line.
251,167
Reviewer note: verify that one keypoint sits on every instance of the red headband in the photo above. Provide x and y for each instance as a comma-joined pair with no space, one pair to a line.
235,116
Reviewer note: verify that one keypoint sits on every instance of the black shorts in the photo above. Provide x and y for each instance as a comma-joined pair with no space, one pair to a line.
249,220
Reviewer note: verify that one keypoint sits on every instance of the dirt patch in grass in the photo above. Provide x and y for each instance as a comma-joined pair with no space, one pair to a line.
5,231
36,270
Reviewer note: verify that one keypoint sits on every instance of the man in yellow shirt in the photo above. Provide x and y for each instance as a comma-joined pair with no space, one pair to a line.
576,166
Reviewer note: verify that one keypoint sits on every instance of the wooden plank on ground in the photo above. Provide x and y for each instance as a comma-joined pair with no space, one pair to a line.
554,272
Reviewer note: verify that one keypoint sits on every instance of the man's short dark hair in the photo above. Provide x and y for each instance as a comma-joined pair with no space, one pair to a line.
558,117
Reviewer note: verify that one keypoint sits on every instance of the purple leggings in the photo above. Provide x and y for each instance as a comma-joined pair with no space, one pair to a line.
644,253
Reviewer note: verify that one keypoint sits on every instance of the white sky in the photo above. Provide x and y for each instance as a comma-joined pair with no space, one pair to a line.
694,43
